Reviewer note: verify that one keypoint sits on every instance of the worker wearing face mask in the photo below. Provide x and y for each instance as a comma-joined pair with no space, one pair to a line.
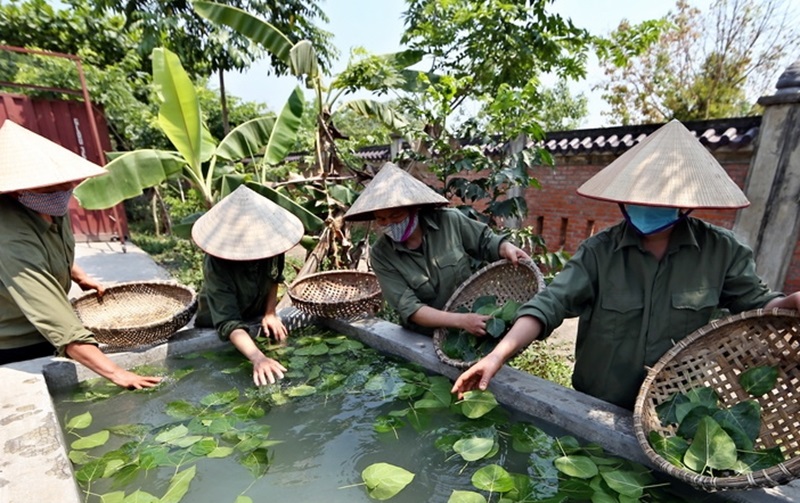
643,284
424,252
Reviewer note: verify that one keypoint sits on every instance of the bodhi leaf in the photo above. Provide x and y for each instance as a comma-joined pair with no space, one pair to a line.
140,496
243,499
302,390
742,422
670,448
477,403
711,448
704,396
113,497
624,482
509,311
80,422
179,485
474,448
172,434
220,398
759,380
466,497
689,423
493,478
384,481
485,300
667,412
93,440
758,460
581,467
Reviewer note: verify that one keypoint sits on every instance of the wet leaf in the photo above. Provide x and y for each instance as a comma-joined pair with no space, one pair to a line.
313,350
384,480
576,466
477,403
247,411
140,496
220,452
204,446
474,448
220,398
172,434
80,422
179,485
493,478
710,448
625,483
302,390
79,457
113,497
93,440
243,499
130,430
742,422
257,462
759,380
466,497
689,423
670,448
347,345
667,411
527,438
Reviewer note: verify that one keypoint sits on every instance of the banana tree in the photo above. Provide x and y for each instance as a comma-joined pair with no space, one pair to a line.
302,60
198,158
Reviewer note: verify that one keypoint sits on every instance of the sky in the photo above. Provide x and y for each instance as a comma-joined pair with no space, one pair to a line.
377,26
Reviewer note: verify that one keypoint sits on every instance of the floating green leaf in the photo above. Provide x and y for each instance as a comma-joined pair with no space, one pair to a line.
179,485
313,350
172,434
477,403
79,457
466,497
80,422
113,497
528,438
384,480
493,478
140,496
220,452
759,380
710,448
220,398
581,467
257,462
302,390
243,499
93,440
474,448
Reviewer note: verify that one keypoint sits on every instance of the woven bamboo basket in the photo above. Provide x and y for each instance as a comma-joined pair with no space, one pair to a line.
714,356
136,313
502,279
337,294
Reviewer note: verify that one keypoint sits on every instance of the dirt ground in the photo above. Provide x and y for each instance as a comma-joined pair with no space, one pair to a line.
562,340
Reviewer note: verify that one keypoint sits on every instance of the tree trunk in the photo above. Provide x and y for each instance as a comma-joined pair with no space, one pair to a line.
226,127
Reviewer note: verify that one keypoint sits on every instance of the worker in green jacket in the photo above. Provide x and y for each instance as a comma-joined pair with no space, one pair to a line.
643,284
245,236
37,253
425,252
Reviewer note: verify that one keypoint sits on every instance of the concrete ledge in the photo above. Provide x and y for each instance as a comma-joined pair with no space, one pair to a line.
34,466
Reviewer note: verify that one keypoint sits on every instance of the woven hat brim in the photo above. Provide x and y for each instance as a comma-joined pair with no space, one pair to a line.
392,188
31,161
668,168
246,226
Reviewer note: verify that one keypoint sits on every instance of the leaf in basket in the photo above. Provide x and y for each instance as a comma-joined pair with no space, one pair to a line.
488,310
742,422
703,395
485,300
688,426
711,448
666,411
495,327
759,380
670,448
509,311
758,460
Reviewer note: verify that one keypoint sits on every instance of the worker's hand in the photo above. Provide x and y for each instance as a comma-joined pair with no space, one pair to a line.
273,326
473,323
127,379
511,252
85,281
267,371
477,376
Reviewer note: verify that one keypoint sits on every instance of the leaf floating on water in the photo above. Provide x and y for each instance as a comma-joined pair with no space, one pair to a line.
466,497
80,422
477,403
493,478
384,480
581,467
93,440
179,485
474,448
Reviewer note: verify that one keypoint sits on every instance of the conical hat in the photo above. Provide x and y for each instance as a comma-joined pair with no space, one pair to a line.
668,168
246,226
30,161
392,188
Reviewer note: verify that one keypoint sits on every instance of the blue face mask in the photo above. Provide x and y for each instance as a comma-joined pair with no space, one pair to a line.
650,219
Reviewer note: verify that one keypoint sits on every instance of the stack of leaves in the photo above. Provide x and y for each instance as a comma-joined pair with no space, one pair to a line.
717,441
462,345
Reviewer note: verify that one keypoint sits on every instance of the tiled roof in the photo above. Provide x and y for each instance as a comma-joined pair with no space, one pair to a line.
733,133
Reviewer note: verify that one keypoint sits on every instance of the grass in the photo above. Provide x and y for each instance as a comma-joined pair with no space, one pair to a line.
540,360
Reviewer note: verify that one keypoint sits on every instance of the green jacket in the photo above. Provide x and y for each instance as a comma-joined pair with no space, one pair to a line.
235,292
35,277
633,308
428,276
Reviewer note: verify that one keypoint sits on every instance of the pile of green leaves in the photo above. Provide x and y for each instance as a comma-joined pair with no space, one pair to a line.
462,345
717,441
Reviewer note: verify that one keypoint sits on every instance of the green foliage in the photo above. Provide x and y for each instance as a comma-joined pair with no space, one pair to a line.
384,480
702,64
714,441
461,345
539,360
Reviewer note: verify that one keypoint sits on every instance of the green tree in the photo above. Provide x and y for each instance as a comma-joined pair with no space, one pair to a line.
705,64
206,48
